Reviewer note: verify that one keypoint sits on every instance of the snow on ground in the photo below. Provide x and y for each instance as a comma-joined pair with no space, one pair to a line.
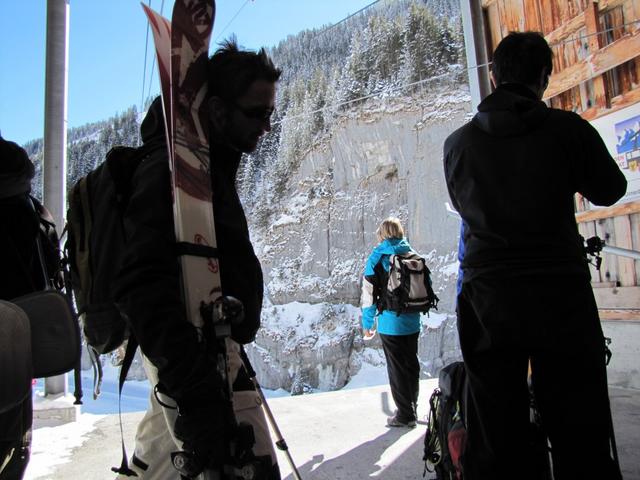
53,445
135,394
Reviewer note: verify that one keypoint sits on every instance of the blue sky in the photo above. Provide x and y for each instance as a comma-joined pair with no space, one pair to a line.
107,49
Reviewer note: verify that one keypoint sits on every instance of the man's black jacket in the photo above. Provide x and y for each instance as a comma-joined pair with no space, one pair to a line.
512,173
148,289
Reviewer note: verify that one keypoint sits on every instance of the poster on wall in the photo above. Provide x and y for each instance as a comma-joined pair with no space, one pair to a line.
621,133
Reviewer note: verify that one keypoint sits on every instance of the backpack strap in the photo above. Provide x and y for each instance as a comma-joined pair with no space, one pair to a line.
40,250
380,285
130,352
433,298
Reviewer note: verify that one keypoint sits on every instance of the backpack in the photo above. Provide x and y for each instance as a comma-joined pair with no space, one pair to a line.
96,241
55,337
55,346
446,436
406,288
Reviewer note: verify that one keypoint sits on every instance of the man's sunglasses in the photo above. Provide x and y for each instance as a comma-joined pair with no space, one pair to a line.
256,113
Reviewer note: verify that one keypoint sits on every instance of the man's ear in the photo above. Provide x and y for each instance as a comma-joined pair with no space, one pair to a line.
493,79
217,112
545,81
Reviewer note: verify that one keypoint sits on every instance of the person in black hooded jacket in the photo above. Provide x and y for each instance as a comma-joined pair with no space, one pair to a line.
20,276
241,95
512,173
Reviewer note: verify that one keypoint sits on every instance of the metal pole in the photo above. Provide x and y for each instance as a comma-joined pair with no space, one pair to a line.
476,50
280,441
621,252
55,130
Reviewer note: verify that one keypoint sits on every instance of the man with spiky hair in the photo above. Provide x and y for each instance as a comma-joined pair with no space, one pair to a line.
241,96
512,173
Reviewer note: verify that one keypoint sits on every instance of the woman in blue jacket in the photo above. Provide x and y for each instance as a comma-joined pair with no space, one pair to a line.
399,333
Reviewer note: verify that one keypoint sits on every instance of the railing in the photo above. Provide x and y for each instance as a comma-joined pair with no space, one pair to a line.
615,285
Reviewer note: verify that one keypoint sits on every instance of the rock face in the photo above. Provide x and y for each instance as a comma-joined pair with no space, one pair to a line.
385,159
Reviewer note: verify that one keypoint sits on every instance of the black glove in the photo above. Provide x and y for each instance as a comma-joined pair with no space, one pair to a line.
205,432
205,421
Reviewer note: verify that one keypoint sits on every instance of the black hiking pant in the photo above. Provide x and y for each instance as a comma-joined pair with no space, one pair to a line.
552,320
401,352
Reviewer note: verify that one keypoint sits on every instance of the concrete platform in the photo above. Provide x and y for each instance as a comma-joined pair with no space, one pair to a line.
335,436
55,410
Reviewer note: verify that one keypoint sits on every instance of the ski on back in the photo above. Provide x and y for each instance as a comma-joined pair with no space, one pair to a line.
191,27
185,100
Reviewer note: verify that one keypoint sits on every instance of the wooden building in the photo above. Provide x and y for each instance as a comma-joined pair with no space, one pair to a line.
596,73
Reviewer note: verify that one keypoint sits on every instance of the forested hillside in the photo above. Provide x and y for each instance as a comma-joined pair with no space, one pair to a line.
388,49
88,145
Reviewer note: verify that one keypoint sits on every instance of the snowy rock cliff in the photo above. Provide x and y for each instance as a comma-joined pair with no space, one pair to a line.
384,158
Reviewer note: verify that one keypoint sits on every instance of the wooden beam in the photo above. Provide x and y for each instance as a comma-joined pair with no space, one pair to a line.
618,298
546,16
592,23
619,315
532,20
562,32
617,103
513,16
597,63
609,212
487,3
605,4
626,266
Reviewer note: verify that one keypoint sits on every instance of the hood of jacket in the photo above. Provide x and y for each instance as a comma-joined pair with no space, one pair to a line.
16,169
393,246
390,246
511,110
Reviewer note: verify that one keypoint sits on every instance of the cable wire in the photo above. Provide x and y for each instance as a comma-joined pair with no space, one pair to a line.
144,70
456,71
231,21
324,30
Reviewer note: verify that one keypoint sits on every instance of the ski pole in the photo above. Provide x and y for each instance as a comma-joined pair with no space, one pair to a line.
281,443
